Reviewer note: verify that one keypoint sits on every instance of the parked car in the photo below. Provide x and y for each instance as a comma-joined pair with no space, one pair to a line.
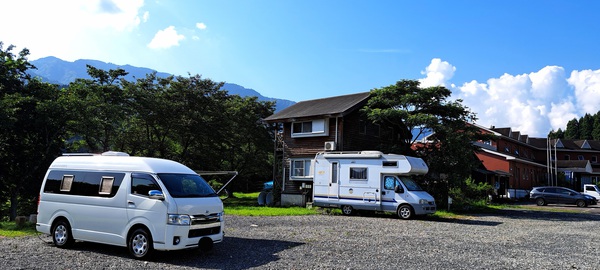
560,195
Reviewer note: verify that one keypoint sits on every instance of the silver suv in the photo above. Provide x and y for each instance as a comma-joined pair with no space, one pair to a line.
560,195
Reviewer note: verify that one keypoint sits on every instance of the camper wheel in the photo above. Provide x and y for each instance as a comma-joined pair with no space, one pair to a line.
347,210
405,212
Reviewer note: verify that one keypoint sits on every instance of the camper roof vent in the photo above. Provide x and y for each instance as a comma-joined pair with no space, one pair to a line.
114,153
329,146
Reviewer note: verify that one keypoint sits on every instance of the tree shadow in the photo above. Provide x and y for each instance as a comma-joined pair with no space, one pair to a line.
232,253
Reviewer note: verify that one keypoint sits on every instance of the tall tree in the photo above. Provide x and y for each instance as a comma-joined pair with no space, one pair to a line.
412,110
572,130
97,109
31,131
596,129
586,127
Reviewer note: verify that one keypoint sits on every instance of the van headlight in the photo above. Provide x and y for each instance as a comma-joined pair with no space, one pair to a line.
178,219
423,201
220,216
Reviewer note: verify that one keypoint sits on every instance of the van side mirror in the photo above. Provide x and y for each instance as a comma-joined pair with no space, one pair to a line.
398,189
156,194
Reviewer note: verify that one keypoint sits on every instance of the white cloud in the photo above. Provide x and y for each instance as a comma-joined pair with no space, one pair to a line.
166,38
587,90
201,26
438,73
561,113
68,29
521,101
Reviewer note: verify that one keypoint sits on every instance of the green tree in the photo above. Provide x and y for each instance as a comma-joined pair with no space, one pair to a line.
586,127
31,134
559,134
97,110
572,130
411,110
596,128
248,144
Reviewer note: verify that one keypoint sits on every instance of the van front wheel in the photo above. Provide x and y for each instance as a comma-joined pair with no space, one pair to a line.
140,244
61,234
405,212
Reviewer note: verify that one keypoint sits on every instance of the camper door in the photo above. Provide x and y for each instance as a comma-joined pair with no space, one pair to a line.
334,181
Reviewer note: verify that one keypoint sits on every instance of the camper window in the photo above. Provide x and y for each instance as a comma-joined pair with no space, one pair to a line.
389,183
390,164
410,184
358,173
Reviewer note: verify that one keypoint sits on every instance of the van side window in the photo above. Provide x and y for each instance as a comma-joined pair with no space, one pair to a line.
66,183
141,184
83,183
106,185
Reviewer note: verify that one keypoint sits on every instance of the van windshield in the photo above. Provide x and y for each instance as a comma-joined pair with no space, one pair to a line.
410,184
186,185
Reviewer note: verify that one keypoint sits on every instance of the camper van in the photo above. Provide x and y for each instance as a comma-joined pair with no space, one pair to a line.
371,181
141,203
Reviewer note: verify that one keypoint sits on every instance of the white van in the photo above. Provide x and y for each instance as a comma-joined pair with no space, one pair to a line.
141,203
371,181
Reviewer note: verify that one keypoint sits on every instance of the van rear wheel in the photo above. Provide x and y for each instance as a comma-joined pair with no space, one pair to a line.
139,244
61,234
405,212
347,210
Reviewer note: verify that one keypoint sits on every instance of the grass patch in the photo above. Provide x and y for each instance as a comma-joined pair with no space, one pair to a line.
246,204
10,229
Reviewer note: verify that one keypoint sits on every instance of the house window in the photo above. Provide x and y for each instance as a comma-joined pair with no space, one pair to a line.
507,149
567,157
580,157
594,159
310,128
362,127
302,127
300,168
358,173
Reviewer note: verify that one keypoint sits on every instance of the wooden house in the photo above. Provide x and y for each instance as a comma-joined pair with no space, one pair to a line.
312,126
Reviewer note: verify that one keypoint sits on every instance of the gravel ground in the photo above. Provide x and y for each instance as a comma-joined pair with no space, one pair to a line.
512,239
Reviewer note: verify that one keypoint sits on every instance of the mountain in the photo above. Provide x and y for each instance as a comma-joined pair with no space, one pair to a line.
58,71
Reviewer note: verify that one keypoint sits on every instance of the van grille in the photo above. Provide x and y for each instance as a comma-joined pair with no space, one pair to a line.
205,219
204,225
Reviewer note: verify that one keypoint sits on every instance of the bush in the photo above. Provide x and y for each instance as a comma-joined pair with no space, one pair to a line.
469,195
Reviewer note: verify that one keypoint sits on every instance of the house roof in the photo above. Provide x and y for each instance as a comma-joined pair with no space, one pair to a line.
332,106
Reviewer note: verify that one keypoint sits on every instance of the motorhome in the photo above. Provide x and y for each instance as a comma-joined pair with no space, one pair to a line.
371,181
592,190
141,203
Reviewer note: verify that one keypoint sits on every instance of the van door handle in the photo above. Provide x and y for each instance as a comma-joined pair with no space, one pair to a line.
130,203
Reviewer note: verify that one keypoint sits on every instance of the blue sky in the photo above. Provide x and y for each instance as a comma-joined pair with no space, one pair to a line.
529,65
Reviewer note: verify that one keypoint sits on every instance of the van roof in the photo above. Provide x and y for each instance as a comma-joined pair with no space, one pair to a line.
120,163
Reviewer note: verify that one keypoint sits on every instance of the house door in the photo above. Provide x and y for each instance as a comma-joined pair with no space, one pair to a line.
334,182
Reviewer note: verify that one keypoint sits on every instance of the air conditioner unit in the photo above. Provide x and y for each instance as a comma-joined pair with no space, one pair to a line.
329,146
